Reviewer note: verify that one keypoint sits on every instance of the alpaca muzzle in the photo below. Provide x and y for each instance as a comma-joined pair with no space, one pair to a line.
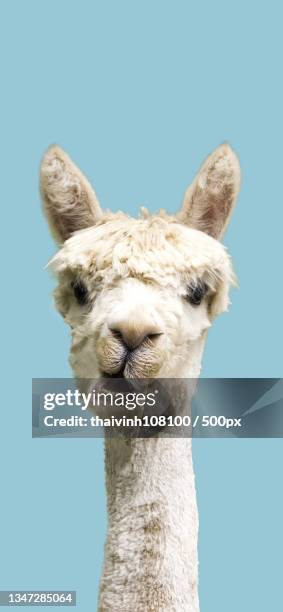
131,356
134,332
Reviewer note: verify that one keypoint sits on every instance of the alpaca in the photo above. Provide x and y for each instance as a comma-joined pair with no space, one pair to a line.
140,296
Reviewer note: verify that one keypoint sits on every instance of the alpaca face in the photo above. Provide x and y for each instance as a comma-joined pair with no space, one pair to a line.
139,294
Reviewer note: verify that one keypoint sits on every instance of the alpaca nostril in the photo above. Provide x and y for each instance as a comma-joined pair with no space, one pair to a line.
131,341
132,336
154,336
116,333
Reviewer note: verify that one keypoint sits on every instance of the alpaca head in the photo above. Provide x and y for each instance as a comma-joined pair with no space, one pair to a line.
139,294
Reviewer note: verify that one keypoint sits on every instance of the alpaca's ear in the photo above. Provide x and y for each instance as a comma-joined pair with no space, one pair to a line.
209,201
69,201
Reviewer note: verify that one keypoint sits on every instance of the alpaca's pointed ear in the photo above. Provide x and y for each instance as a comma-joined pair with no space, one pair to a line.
69,201
209,201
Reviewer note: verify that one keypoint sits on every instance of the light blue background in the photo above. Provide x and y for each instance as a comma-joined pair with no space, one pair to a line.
139,93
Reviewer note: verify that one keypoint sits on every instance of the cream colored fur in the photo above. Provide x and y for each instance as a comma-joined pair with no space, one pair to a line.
137,273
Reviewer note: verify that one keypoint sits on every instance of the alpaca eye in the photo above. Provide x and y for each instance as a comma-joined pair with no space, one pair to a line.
196,293
80,292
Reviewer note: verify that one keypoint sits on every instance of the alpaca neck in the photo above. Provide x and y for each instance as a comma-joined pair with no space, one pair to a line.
151,549
151,560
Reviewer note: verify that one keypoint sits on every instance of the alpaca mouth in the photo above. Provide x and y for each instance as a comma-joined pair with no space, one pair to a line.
141,363
124,381
118,382
119,374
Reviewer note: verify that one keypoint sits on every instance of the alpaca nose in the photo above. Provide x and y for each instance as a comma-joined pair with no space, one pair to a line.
133,334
